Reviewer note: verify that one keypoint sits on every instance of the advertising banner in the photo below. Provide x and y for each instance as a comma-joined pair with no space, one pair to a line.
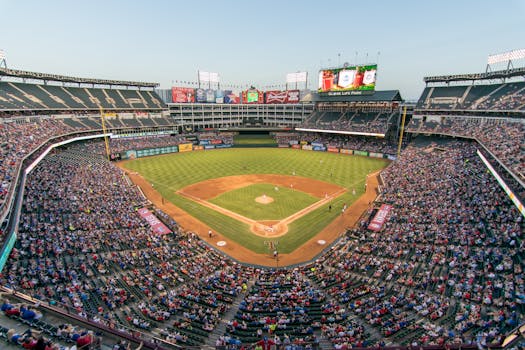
346,151
380,218
293,96
333,149
200,96
210,96
279,97
231,98
131,154
319,148
209,147
182,95
157,225
276,97
317,144
361,153
185,147
216,142
198,148
204,142
375,155
307,147
296,146
282,145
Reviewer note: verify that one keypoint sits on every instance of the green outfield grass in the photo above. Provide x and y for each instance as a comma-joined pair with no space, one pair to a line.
169,173
285,201
254,140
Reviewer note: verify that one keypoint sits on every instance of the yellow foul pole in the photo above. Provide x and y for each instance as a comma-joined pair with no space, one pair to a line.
402,131
106,141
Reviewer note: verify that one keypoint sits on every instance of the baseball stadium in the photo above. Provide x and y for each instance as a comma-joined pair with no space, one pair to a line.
204,217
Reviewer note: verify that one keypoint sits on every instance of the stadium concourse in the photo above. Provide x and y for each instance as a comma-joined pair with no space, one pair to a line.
445,270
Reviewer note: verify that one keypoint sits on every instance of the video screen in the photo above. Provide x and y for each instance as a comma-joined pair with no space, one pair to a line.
252,96
351,78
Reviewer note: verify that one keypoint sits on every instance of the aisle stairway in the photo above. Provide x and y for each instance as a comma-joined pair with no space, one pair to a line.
221,327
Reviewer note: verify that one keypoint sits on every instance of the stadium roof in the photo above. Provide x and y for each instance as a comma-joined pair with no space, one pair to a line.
54,77
378,96
500,74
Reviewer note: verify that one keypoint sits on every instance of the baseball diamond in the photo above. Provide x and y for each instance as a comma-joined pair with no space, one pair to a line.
321,180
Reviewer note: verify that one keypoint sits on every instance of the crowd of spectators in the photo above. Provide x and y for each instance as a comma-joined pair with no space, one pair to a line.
19,139
449,254
446,269
360,143
118,145
351,121
503,137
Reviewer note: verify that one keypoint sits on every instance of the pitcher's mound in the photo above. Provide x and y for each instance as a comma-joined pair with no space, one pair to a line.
264,199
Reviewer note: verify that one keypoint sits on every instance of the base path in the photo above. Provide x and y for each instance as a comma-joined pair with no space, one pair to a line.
304,253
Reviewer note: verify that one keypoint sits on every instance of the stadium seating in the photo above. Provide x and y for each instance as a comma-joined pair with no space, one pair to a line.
21,96
494,97
503,137
423,279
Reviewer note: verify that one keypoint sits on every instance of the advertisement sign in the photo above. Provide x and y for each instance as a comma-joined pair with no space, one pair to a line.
219,96
275,97
293,96
375,155
307,147
209,147
210,96
182,95
231,98
282,145
350,78
198,148
157,225
319,148
317,144
361,153
200,96
278,97
296,146
380,218
346,151
333,149
185,147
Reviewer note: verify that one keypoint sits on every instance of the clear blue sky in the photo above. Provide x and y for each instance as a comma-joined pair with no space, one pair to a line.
258,42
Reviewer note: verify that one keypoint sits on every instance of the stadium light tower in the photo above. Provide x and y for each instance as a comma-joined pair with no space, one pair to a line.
506,57
3,62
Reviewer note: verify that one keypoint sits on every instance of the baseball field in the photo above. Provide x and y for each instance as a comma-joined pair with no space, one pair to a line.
255,200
